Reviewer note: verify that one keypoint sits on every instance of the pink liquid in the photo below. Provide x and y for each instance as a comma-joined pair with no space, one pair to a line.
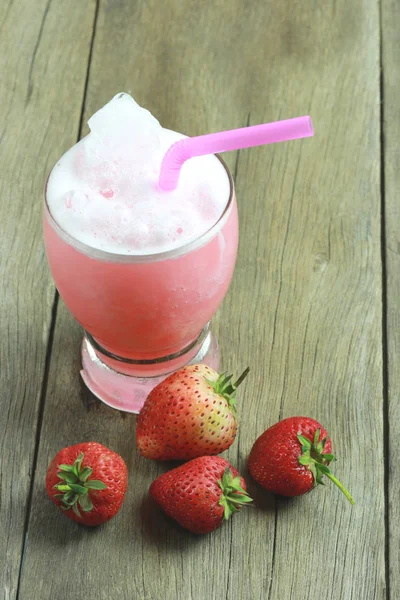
144,307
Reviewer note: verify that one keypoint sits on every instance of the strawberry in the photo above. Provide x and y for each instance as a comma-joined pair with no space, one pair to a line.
191,413
201,493
291,457
88,482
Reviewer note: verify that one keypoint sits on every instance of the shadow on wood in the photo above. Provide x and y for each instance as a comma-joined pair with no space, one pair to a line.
262,499
163,531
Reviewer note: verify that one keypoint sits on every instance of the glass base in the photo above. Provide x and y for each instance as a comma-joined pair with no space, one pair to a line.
127,392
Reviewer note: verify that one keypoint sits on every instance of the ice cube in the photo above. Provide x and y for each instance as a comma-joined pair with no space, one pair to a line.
124,132
121,117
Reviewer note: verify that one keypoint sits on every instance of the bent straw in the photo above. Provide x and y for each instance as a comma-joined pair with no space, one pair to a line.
224,141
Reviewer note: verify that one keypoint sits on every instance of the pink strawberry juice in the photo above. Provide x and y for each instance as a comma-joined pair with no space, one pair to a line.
142,270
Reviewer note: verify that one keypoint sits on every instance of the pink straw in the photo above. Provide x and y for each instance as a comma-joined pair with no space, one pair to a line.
235,139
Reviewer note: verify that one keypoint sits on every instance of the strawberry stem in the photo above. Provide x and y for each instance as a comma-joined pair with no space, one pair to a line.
226,389
314,459
75,485
233,495
241,378
341,487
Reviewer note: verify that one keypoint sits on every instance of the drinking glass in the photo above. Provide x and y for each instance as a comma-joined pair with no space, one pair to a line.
144,316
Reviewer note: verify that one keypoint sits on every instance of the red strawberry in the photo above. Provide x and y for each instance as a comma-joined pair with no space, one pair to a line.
191,413
291,457
201,493
88,482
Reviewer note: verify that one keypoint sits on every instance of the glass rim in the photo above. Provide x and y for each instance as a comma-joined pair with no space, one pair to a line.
143,258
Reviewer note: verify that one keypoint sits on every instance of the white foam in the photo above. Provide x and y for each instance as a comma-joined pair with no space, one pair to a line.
104,192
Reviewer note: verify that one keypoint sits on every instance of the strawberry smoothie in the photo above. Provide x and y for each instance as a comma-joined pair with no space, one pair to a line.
142,270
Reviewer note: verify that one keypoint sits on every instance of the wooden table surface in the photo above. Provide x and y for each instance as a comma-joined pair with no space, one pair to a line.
313,308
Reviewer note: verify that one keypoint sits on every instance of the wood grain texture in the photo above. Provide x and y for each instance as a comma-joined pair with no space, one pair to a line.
304,309
39,111
391,135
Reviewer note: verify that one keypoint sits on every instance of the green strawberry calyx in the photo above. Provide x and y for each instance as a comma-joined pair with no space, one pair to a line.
314,458
226,389
233,495
75,485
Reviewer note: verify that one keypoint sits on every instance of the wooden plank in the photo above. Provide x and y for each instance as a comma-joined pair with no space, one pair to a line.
304,309
39,114
391,130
